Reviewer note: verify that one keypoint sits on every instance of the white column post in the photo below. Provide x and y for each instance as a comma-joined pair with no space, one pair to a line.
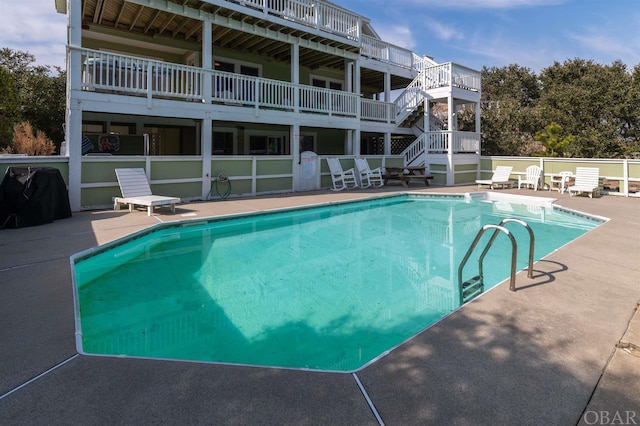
73,127
295,74
450,137
206,129
206,135
207,61
294,136
355,140
387,143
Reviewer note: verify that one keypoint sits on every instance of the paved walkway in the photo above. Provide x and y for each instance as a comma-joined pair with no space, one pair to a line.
546,354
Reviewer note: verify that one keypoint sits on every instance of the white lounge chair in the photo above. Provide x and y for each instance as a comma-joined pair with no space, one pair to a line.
587,180
136,191
342,179
368,177
532,177
500,177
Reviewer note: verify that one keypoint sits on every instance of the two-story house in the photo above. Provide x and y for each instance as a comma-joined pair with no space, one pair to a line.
190,89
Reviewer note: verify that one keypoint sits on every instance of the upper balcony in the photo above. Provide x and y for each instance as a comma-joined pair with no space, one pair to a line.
133,76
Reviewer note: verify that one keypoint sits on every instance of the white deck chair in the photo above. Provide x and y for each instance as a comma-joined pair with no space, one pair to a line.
500,177
342,179
368,177
136,191
586,181
532,177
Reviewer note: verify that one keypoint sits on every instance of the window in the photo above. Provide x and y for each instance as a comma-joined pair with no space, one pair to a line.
222,143
307,143
327,83
93,127
266,145
122,128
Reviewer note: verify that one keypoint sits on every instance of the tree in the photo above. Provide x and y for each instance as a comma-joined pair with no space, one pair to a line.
586,99
9,107
550,138
39,95
509,113
630,116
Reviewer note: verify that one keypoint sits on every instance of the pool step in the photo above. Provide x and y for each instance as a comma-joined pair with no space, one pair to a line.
471,288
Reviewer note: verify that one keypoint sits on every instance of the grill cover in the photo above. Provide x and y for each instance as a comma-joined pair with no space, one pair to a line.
32,196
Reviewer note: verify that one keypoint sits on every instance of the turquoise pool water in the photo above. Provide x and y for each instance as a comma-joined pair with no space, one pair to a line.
327,288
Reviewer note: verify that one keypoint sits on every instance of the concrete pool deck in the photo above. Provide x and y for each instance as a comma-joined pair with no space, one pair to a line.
546,354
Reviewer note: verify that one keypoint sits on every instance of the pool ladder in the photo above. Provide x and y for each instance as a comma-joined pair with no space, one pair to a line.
474,286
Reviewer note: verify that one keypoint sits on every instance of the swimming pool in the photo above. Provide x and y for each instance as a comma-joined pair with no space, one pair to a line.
325,288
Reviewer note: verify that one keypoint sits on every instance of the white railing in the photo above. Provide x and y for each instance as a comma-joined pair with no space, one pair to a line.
128,75
409,99
450,74
109,71
314,99
465,78
320,15
465,142
414,151
371,110
387,52
432,77
452,142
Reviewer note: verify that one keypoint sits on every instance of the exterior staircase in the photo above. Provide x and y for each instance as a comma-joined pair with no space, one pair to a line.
410,104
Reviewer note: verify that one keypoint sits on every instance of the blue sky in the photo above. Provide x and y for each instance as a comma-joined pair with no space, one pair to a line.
475,33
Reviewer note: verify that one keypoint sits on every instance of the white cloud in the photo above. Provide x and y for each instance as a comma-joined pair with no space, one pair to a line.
398,35
502,50
609,43
34,26
442,31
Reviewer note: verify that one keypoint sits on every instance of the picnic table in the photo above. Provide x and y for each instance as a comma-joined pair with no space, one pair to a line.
405,174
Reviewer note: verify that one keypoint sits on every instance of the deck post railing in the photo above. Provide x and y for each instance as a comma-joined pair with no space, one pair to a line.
123,74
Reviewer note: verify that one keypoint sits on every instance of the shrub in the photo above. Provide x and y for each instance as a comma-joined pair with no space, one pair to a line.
26,140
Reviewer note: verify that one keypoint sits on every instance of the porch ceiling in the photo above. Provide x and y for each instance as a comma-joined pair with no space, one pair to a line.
372,80
143,21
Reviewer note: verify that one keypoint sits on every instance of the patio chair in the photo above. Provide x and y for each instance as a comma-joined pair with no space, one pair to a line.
532,177
586,181
342,179
500,177
136,191
368,177
559,181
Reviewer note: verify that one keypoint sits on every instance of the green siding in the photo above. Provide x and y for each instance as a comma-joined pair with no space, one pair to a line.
176,170
241,186
394,162
275,184
232,167
273,167
465,167
90,197
95,172
465,178
439,179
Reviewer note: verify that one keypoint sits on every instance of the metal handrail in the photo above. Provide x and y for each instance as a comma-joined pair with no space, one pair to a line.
532,240
514,251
